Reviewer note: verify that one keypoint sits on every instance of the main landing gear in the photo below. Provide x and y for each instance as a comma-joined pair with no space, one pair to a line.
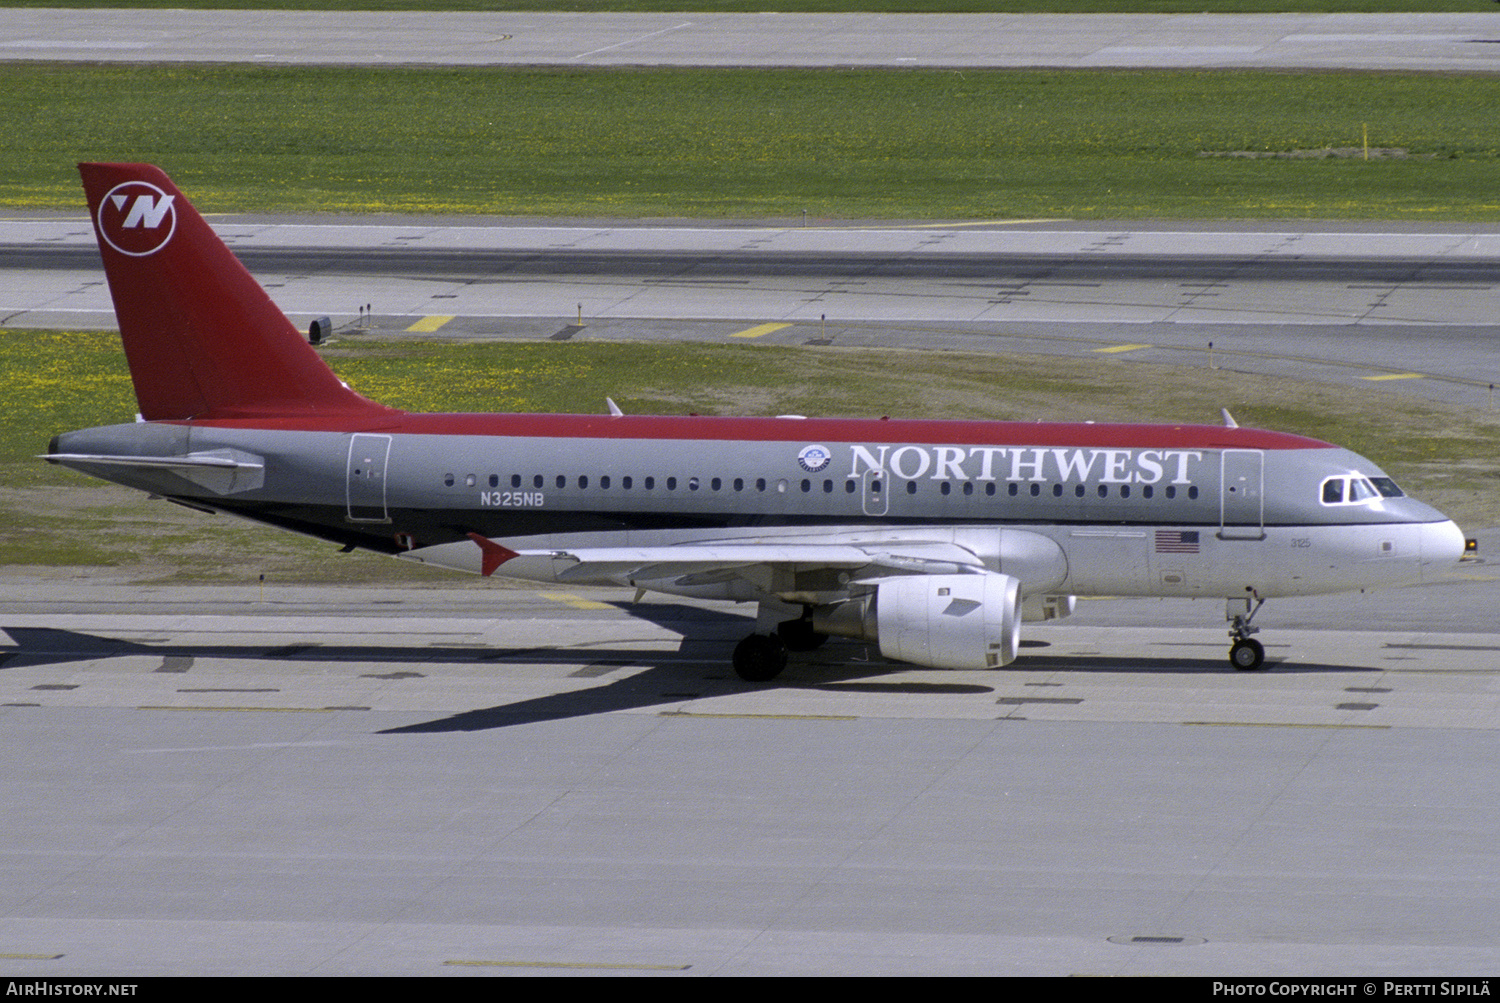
1246,653
760,658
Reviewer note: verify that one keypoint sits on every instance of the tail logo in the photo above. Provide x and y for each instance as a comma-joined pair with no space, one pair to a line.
137,218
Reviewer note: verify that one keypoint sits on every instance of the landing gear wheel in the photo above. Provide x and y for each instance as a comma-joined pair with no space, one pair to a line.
1247,655
798,635
759,658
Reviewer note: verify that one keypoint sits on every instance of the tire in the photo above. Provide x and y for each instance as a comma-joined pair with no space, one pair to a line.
1247,655
759,658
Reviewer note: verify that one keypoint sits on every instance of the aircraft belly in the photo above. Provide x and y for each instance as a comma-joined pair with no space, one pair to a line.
1287,561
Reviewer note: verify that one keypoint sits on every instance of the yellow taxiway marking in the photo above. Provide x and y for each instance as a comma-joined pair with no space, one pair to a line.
1122,348
1283,724
766,717
427,324
757,331
1393,376
577,602
622,965
274,710
981,222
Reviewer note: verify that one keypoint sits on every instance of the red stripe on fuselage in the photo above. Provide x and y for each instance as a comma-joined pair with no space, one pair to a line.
970,433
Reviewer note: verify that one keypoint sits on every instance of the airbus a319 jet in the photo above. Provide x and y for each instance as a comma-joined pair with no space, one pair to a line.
934,540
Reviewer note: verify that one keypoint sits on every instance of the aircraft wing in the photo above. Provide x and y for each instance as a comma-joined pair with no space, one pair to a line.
767,566
624,564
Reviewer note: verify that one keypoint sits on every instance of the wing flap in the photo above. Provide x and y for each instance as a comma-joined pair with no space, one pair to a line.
760,563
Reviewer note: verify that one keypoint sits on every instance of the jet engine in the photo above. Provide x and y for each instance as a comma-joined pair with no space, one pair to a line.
941,621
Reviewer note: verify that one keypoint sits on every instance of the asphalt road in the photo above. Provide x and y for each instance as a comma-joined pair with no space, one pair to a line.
1442,42
1404,309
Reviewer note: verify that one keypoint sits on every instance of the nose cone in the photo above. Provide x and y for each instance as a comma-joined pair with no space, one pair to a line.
1442,546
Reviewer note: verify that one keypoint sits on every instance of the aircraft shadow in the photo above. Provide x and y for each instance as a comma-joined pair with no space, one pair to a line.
697,669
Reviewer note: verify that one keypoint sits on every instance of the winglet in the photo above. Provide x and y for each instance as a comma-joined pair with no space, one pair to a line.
492,555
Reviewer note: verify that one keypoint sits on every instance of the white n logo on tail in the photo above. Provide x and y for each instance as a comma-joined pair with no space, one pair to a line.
146,211
136,218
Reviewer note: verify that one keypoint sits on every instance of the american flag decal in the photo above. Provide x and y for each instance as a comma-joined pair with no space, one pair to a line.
1175,541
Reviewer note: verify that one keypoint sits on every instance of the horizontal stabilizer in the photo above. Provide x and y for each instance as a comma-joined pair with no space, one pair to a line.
222,471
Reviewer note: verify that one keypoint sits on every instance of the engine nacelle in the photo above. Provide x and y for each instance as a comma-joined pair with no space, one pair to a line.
1039,607
941,621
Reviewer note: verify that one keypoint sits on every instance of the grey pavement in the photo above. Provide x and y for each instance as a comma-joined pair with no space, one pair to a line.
500,781
1406,308
1447,42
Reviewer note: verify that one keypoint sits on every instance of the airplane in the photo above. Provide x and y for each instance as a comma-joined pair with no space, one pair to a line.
935,540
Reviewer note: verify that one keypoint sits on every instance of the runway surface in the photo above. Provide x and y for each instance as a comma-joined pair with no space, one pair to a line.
1405,308
1451,42
428,782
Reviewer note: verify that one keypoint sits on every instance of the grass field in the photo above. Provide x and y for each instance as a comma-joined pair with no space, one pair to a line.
799,6
849,144
64,380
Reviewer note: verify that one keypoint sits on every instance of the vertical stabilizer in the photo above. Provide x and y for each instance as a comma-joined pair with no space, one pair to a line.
202,337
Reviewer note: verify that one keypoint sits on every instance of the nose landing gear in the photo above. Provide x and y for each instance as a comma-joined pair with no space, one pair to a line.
1245,654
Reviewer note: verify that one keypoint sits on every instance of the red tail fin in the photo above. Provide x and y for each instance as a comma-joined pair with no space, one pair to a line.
202,337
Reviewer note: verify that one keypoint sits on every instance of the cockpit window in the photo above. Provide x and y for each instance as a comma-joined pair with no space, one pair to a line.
1351,489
